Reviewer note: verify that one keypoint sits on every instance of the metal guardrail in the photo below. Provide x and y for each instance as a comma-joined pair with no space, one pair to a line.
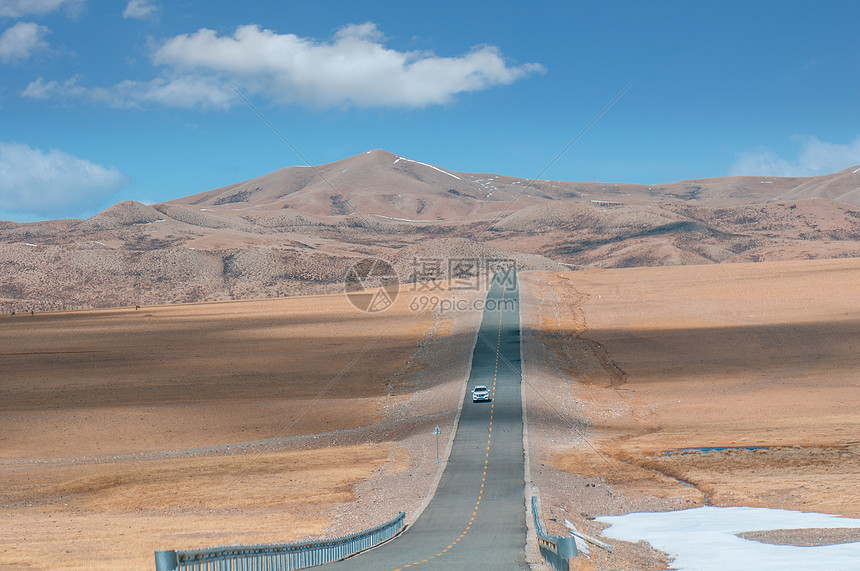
279,556
554,549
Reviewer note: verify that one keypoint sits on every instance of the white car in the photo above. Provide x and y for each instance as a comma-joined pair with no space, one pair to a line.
480,393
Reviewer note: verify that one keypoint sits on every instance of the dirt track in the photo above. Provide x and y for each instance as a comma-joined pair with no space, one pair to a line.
648,362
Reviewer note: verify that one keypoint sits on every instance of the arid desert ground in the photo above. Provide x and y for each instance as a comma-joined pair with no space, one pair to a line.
629,371
126,431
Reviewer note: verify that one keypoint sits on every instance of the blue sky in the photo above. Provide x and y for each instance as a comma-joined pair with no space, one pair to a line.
105,101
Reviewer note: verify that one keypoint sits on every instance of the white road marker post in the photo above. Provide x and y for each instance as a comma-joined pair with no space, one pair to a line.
437,432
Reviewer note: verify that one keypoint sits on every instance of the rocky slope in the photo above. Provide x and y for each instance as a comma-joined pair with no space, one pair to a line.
297,231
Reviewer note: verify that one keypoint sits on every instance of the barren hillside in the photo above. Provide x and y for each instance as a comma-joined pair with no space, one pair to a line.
297,230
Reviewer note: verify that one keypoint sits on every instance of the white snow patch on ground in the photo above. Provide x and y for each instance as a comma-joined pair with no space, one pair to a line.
29,244
401,219
855,171
426,165
704,538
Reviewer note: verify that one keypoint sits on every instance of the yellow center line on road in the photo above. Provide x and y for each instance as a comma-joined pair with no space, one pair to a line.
486,461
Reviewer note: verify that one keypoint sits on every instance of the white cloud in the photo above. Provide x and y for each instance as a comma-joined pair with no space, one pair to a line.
18,8
355,68
182,91
816,157
40,89
22,40
53,182
140,9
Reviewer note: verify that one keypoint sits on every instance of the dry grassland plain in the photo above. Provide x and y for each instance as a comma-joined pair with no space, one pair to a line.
127,431
629,371
123,432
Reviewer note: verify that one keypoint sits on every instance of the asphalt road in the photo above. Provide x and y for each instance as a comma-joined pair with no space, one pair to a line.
476,519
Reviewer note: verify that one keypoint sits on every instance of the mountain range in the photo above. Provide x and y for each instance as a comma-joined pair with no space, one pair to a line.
297,230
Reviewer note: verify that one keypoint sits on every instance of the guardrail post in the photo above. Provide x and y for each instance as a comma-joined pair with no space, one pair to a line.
166,561
286,556
567,547
555,550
